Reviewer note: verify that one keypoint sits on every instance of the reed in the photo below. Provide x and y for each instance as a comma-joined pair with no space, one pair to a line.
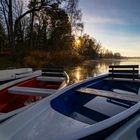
40,58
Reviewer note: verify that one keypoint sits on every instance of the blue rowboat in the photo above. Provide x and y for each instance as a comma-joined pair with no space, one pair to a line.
129,131
91,109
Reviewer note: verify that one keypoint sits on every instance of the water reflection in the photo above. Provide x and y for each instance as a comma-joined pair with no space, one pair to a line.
92,68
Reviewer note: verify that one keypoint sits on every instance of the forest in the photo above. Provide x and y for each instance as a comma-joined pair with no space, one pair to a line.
39,32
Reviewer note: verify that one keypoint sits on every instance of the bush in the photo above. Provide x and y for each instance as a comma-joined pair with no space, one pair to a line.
38,59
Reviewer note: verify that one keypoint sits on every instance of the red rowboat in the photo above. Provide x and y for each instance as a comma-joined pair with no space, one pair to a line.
22,92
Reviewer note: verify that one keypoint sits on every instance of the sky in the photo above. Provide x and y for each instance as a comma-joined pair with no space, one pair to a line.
114,23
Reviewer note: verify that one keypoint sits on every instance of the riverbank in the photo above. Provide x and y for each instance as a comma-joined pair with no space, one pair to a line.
40,59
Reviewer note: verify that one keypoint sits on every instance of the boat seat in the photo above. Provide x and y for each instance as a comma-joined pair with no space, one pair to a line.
92,114
53,74
31,91
109,94
50,79
20,73
123,91
124,72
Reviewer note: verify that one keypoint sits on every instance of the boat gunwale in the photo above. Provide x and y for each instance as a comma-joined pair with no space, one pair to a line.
11,83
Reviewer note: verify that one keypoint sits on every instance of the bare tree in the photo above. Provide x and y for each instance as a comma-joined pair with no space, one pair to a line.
75,16
10,19
4,14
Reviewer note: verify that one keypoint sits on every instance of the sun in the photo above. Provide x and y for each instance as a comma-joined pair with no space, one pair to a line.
77,42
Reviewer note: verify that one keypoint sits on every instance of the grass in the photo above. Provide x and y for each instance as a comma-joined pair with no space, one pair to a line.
38,59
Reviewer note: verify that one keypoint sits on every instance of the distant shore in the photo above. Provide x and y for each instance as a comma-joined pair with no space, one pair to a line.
7,62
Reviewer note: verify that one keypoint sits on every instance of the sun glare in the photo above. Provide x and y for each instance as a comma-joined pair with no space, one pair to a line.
77,42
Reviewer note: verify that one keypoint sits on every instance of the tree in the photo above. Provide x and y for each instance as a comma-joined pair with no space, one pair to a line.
60,29
6,7
90,47
108,54
2,36
75,16
3,14
10,19
117,55
20,27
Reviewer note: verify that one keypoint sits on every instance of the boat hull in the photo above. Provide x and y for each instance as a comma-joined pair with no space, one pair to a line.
130,130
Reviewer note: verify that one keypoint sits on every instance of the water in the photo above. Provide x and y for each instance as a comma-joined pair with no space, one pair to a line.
92,68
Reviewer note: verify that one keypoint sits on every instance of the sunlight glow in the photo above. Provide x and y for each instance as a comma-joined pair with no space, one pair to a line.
78,74
77,42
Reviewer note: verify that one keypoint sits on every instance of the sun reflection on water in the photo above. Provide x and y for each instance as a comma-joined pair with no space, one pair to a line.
93,68
77,74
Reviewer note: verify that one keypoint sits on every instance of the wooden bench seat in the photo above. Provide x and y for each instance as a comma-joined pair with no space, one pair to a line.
123,92
31,91
50,79
53,74
49,68
124,71
109,94
53,71
122,79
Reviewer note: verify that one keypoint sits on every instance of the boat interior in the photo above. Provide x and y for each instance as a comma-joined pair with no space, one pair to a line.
28,92
91,106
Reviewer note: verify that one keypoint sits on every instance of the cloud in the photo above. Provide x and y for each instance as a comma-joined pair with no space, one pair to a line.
116,24
103,20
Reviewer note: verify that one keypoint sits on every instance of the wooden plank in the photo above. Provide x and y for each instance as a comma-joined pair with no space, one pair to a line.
53,74
124,66
123,91
31,91
123,79
52,69
109,94
50,79
131,76
124,71
120,71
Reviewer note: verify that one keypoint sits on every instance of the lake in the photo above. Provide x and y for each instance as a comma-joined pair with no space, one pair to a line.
92,68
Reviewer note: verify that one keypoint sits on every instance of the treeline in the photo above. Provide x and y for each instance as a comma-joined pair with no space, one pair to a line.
91,48
28,29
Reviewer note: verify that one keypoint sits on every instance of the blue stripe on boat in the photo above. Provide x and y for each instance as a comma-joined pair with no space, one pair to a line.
138,133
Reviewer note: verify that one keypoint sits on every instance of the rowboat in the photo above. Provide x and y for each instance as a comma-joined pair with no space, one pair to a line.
25,91
128,131
13,74
91,109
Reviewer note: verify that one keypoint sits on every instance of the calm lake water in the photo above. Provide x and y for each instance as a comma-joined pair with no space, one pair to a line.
93,68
